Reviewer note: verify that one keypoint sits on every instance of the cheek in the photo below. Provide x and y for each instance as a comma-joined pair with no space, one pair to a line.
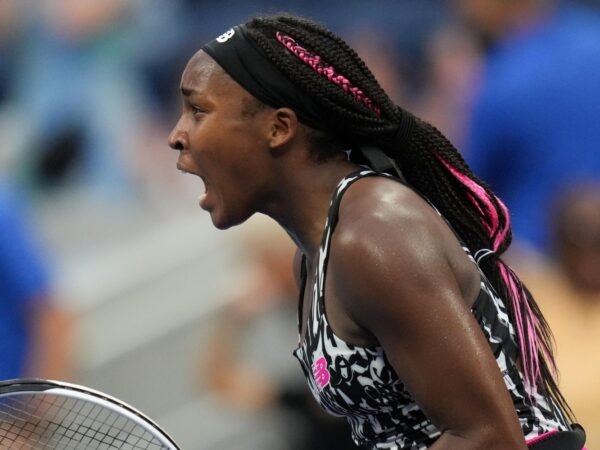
228,153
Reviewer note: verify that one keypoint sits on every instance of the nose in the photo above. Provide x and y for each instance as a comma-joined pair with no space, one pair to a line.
177,138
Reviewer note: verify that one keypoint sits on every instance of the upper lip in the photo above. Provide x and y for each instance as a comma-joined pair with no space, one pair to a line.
182,168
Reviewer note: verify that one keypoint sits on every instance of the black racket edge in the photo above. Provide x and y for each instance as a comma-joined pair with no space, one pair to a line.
41,384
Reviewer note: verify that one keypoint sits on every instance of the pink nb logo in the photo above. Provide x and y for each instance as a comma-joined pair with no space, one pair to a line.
320,372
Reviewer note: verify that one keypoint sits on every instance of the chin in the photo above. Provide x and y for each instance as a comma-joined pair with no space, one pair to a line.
224,223
220,224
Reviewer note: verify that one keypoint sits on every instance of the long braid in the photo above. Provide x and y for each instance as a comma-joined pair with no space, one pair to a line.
430,163
467,203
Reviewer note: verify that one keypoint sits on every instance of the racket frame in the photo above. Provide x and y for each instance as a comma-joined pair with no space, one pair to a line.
33,385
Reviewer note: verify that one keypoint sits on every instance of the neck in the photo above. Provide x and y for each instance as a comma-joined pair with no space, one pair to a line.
301,203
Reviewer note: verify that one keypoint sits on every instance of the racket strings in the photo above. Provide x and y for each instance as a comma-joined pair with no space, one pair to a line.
43,421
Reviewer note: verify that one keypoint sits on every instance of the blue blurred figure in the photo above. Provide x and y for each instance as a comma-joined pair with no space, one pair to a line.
534,129
34,330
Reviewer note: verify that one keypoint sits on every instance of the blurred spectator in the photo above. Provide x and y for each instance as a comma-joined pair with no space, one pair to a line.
76,95
577,237
35,332
9,18
453,60
11,14
568,291
387,62
249,362
534,127
396,58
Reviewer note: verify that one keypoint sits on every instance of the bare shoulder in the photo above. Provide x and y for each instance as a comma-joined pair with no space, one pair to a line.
391,246
380,217
399,274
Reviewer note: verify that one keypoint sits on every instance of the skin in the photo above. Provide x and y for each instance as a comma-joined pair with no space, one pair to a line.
51,350
495,19
577,234
263,164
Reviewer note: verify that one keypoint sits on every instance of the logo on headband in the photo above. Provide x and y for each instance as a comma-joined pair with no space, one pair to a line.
226,36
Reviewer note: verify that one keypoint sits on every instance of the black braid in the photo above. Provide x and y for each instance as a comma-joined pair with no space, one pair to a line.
424,160
348,112
422,168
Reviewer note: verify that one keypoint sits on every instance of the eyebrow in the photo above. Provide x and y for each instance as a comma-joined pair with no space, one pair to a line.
187,92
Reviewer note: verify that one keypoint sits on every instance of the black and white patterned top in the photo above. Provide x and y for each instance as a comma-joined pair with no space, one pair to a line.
360,384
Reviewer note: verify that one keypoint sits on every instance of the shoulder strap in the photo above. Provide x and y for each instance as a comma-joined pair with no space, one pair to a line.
303,277
380,162
332,220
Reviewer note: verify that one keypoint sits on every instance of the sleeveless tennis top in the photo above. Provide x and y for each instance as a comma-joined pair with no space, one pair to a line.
360,384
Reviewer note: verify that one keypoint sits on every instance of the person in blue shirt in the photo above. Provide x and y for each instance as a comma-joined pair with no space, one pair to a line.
534,127
34,330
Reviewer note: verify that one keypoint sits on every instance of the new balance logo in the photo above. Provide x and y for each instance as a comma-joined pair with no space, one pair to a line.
226,36
320,372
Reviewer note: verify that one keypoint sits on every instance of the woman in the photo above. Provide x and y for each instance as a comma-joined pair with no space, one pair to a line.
416,342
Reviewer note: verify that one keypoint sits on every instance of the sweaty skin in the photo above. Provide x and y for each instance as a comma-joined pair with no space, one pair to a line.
397,276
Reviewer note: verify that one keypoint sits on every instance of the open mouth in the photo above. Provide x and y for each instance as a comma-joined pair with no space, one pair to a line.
202,198
185,171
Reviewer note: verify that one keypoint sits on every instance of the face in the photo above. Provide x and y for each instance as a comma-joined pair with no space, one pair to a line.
488,17
579,240
221,143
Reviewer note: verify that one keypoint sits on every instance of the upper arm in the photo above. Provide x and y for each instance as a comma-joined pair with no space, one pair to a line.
407,295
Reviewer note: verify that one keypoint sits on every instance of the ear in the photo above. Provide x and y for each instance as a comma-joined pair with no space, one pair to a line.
283,127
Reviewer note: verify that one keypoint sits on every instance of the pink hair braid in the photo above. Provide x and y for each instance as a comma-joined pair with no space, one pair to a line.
497,221
325,69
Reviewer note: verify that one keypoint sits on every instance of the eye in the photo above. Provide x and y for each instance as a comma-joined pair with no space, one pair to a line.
196,111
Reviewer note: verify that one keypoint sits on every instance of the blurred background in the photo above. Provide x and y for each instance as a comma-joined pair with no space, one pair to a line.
112,277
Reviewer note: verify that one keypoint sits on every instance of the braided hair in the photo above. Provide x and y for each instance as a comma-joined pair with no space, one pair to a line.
326,68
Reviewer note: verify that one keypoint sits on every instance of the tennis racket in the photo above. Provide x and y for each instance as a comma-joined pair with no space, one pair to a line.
40,414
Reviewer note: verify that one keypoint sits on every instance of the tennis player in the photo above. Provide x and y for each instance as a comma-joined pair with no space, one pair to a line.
410,324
